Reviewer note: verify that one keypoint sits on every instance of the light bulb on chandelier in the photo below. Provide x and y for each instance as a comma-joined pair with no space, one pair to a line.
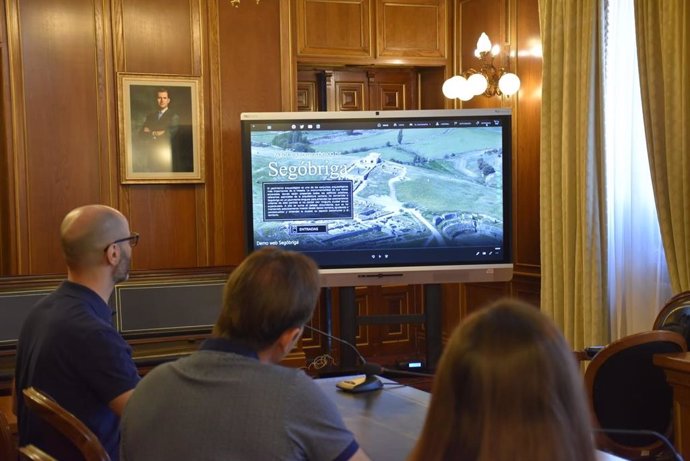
488,80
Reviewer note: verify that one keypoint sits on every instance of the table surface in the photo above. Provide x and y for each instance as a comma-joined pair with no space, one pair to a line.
387,422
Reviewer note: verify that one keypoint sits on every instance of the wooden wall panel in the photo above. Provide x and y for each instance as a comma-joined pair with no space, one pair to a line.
528,117
158,36
475,17
250,77
514,25
330,28
411,28
164,217
63,159
164,37
306,96
350,96
392,89
6,186
430,82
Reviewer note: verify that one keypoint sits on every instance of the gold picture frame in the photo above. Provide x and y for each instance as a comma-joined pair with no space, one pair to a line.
161,129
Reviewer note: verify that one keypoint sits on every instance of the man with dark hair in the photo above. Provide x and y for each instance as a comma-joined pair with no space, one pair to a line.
158,136
68,347
231,399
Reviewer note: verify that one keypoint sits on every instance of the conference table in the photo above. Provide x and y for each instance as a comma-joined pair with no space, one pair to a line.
387,422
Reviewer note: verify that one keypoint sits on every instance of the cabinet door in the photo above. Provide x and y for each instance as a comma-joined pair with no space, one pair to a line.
395,341
392,89
334,28
355,89
411,29
309,91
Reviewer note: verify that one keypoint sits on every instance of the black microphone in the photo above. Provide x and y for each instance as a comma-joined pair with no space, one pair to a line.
644,432
369,382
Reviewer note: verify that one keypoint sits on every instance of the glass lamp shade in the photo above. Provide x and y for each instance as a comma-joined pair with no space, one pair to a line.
465,91
453,86
483,44
477,83
509,84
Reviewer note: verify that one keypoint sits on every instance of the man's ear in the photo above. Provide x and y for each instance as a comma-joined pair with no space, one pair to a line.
289,338
281,346
112,254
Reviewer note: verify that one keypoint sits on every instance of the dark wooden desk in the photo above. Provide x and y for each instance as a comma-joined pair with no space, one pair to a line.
677,370
387,422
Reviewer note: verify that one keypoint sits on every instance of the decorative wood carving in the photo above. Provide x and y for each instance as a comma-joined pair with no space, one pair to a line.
306,96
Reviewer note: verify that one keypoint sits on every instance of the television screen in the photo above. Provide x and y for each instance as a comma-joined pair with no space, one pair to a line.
381,198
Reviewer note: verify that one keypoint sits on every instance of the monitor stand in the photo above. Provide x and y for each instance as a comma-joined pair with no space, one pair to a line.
350,321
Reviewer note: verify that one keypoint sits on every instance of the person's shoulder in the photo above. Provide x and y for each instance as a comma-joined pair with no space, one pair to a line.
54,311
288,373
298,382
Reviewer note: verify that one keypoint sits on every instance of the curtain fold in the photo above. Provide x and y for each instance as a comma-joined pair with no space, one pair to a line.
663,31
572,189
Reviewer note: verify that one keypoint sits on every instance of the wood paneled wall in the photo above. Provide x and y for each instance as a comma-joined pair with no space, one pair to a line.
61,147
514,24
59,134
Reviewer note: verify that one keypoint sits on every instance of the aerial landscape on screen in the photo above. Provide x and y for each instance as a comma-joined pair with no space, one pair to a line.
378,188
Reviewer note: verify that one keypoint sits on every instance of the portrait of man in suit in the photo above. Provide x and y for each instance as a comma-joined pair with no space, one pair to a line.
163,142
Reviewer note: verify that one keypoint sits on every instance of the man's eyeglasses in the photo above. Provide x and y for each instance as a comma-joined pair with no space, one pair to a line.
132,239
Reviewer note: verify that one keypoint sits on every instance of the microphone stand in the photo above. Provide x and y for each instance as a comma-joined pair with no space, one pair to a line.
370,382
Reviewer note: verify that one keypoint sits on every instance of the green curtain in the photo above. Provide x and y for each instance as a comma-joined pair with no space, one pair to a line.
663,37
572,195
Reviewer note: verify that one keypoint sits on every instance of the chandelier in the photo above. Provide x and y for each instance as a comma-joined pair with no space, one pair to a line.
488,80
236,3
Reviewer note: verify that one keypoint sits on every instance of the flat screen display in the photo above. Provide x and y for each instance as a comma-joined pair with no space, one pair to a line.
380,198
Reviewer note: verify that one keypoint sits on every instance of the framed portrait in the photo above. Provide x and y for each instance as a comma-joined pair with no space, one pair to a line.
161,129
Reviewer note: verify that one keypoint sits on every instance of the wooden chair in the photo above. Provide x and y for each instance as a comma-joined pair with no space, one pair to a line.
673,310
67,424
7,448
627,392
33,453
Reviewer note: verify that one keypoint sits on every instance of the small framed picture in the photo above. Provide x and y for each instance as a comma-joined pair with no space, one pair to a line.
161,129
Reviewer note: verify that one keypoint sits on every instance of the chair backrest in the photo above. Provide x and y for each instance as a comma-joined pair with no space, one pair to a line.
674,311
67,424
7,449
628,392
33,453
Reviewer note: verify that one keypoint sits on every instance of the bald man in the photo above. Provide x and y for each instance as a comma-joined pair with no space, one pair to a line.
68,347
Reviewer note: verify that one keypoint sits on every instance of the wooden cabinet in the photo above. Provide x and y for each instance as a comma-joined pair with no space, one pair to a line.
411,28
328,28
357,89
372,31
392,341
